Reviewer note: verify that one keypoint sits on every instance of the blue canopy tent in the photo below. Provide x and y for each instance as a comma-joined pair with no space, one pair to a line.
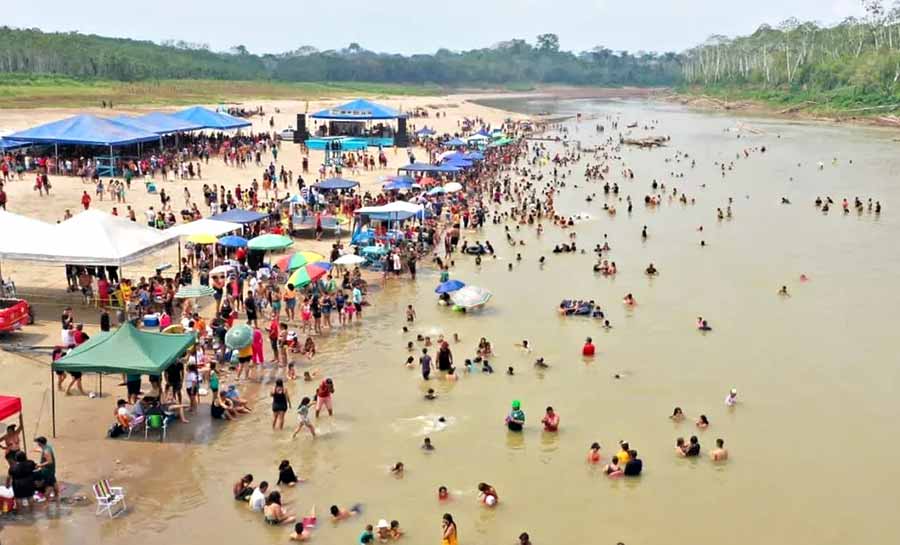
85,130
455,142
207,119
11,144
425,131
334,184
459,163
357,110
159,123
238,215
398,184
425,167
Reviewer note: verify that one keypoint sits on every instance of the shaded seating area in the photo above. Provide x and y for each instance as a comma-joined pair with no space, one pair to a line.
128,351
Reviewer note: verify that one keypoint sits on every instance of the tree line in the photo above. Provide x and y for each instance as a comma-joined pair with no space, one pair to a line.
30,51
856,55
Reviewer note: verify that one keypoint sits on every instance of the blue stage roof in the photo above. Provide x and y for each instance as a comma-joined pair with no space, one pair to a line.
357,110
336,183
86,130
208,119
238,215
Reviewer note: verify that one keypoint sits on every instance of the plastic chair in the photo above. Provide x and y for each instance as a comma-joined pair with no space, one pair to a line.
156,422
134,424
108,497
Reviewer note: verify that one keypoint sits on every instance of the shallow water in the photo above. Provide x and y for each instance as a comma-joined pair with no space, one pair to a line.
811,440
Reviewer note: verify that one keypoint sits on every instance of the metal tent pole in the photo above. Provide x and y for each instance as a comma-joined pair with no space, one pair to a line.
53,401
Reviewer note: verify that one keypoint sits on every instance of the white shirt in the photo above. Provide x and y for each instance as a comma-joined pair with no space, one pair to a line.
257,500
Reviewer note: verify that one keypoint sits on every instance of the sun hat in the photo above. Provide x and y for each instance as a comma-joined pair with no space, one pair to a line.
383,524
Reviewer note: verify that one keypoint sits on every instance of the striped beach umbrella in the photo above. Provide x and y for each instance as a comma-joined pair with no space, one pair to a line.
298,259
306,274
194,292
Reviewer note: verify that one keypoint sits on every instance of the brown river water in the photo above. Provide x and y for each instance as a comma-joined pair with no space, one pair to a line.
811,440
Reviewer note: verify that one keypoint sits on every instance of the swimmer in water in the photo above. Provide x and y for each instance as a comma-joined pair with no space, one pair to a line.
487,495
606,325
550,420
338,514
594,456
704,326
397,469
804,278
443,494
677,415
426,444
430,395
612,469
784,291
540,363
629,300
720,453
510,371
731,400
524,345
702,422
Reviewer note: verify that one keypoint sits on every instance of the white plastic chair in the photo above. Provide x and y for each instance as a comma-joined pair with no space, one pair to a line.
108,497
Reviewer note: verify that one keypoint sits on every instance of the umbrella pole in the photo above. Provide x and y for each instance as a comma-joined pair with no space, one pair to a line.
22,424
53,401
101,384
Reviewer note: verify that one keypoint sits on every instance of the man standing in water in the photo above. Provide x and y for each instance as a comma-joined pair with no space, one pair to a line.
720,453
425,362
516,419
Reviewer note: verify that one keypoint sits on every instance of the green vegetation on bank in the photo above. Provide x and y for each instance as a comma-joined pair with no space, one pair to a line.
74,55
29,91
852,67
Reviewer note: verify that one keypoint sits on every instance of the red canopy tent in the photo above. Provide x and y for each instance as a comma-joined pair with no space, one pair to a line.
8,407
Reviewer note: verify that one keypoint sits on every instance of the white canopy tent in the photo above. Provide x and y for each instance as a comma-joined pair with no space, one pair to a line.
90,238
203,226
21,237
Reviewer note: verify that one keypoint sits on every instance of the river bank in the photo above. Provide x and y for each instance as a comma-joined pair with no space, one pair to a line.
783,105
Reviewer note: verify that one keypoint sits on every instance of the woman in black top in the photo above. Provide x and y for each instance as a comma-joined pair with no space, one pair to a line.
286,475
280,404
21,478
444,358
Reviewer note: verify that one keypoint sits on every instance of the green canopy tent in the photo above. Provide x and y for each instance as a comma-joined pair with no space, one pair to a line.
126,350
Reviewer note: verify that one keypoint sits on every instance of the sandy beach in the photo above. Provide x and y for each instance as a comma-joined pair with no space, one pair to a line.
80,438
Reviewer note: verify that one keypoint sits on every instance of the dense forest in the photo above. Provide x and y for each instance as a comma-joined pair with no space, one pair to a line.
512,62
855,62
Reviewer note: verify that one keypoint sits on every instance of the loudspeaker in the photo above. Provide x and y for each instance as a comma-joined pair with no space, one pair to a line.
401,139
300,134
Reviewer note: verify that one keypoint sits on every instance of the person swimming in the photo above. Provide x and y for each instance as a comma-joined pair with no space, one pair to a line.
677,415
540,363
594,456
731,400
487,495
702,422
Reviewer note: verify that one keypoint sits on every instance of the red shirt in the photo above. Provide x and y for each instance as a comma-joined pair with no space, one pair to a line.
324,390
588,349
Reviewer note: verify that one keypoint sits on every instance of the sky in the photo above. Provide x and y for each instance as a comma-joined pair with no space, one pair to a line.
423,26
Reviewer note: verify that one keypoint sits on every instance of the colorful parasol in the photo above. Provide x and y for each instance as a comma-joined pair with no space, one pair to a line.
298,259
306,274
202,238
470,296
239,336
270,242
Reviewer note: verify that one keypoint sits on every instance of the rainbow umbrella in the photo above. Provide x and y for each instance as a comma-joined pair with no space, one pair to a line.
298,259
306,274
